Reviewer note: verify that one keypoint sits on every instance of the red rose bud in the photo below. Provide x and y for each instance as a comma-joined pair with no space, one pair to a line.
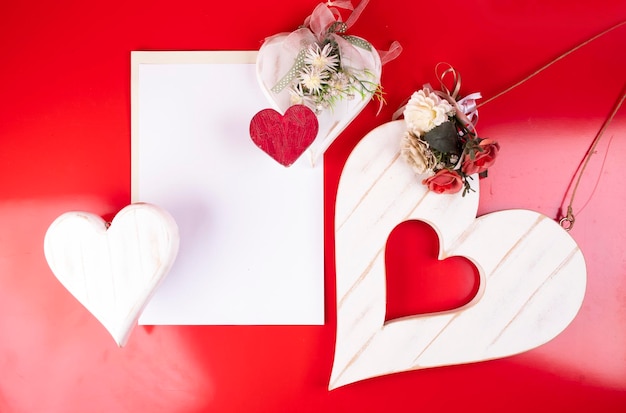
482,159
444,182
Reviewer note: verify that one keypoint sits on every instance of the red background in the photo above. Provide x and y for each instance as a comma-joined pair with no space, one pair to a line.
65,145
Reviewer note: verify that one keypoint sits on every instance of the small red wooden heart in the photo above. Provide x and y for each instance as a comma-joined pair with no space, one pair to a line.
284,138
417,281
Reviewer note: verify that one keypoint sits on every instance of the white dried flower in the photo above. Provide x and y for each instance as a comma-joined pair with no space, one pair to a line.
313,79
296,95
338,83
425,111
417,154
321,59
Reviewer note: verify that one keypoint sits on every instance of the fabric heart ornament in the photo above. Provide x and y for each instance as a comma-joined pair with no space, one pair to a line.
284,138
532,274
113,270
320,66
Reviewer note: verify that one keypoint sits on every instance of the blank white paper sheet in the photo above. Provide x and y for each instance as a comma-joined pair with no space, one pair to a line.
252,234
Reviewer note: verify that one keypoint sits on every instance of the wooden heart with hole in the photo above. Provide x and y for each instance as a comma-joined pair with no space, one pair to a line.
113,272
532,273
284,138
274,61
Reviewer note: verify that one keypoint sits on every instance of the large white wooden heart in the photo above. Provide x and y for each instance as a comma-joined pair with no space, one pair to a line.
113,272
273,63
532,273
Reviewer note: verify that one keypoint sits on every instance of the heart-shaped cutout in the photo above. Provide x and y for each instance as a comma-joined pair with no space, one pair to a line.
532,273
417,281
284,138
113,272
275,59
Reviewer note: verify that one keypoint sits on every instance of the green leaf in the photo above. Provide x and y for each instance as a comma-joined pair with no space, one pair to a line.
443,138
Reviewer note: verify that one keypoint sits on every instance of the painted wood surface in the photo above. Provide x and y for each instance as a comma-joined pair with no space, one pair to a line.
532,273
113,272
284,138
274,61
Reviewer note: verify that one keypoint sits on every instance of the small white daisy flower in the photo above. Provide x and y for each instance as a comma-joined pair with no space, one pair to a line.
321,58
338,81
296,95
313,79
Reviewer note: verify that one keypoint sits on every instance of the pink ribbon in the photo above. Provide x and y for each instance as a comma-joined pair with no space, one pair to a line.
466,108
394,51
469,107
326,22
327,14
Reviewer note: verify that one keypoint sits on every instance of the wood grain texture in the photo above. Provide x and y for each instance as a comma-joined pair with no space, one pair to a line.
284,138
113,272
532,273
274,61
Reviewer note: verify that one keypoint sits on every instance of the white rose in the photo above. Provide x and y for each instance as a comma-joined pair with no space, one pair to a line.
417,154
426,111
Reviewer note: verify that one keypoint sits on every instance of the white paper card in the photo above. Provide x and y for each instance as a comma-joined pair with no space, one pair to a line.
252,241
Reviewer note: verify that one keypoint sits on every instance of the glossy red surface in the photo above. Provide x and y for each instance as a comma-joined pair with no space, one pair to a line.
65,145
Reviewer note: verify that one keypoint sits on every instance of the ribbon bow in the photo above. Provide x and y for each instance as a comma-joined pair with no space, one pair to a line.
466,108
326,23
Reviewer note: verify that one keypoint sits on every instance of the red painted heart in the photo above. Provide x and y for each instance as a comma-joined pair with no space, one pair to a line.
417,281
284,138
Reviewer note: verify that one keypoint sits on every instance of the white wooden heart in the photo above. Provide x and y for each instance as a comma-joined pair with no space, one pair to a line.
532,273
273,63
113,272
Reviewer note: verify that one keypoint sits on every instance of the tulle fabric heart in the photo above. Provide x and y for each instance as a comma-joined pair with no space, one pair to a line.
281,55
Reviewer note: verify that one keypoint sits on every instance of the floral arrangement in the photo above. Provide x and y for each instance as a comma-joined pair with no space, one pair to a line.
322,80
330,65
441,140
